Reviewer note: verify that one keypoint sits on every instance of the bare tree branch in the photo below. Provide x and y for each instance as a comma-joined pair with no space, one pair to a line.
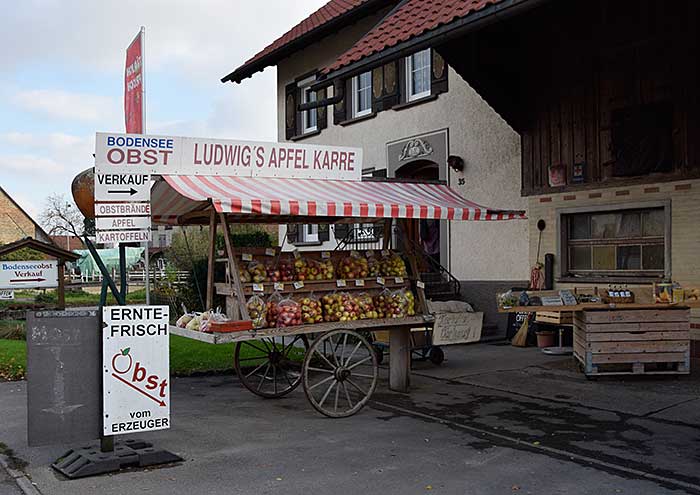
61,217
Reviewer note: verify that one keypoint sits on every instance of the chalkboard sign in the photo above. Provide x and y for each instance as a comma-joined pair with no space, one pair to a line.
457,328
64,362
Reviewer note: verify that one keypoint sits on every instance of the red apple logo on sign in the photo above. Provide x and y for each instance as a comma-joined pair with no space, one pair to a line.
122,363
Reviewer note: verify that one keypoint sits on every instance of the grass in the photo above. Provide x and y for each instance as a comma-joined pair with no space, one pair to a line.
75,298
186,357
13,359
12,329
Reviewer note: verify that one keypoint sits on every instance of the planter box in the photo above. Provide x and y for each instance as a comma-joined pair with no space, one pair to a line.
555,317
633,342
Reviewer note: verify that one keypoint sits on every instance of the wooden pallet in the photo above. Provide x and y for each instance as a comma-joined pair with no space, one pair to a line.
555,317
633,342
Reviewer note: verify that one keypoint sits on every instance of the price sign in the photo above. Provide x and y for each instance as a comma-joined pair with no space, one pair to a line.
340,283
325,255
359,282
380,280
258,288
247,257
398,280
297,254
298,285
385,252
279,286
420,284
269,252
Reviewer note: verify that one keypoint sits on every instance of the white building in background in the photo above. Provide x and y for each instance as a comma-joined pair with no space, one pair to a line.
409,117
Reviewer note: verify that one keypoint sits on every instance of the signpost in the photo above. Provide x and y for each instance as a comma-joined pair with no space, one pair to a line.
136,365
28,274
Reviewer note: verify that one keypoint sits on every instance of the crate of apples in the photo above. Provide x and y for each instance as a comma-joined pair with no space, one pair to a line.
410,302
257,310
392,265
340,307
289,314
326,270
391,304
311,311
366,305
353,267
258,272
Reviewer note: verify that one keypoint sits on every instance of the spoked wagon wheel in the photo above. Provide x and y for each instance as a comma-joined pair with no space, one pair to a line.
271,367
340,373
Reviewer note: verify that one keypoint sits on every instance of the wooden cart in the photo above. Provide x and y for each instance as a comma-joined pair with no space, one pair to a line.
340,367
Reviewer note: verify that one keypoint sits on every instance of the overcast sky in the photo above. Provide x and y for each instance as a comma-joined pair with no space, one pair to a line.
61,78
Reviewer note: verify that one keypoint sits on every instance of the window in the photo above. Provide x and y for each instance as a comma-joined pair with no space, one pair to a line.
623,243
308,234
418,75
310,117
362,94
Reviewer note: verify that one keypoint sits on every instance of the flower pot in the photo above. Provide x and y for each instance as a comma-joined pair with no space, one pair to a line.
545,338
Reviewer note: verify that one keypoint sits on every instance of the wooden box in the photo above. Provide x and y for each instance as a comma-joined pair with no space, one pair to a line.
624,342
555,317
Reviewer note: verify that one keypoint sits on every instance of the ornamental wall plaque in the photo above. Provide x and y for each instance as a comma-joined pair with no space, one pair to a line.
377,82
438,65
415,148
390,78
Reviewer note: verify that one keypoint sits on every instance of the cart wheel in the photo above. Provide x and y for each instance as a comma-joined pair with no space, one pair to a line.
379,352
275,373
436,355
340,373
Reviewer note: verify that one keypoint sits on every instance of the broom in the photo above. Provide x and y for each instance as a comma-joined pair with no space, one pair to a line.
520,338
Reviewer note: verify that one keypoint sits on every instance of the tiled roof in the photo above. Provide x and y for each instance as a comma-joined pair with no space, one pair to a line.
331,11
409,20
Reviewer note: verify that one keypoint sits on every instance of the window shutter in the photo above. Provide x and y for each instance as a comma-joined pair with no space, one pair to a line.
340,109
438,73
323,232
341,231
377,89
292,233
403,96
321,117
291,102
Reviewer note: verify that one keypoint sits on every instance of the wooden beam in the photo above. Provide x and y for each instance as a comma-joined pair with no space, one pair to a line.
211,260
61,285
400,359
386,241
233,268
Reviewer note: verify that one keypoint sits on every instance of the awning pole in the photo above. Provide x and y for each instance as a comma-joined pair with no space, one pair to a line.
233,269
212,259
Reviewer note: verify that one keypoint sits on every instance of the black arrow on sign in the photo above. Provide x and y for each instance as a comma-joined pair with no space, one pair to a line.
27,280
130,191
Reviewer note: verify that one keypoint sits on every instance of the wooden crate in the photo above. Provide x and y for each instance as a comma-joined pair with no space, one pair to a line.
555,317
625,342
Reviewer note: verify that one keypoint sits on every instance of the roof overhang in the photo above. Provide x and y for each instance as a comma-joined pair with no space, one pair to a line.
43,247
490,14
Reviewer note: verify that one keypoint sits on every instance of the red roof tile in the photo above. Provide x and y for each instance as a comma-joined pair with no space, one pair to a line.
329,12
411,19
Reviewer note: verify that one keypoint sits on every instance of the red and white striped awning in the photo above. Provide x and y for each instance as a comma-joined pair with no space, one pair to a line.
177,195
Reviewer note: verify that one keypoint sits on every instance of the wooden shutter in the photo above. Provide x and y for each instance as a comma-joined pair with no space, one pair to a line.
438,73
340,109
323,232
377,75
291,115
321,114
391,85
401,76
292,233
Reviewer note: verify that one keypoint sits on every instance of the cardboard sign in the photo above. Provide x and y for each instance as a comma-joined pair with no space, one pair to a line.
28,274
117,153
136,369
457,328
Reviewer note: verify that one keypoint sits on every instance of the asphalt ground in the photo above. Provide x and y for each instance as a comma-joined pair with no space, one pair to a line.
490,420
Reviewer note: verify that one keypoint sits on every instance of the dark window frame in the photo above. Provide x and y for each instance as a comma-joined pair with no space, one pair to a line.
564,274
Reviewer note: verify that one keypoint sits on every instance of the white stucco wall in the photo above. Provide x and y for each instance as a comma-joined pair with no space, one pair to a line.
489,147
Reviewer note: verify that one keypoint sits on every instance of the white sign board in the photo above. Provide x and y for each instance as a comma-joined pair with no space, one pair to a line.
457,328
168,155
120,187
123,223
28,274
7,294
122,236
122,209
136,362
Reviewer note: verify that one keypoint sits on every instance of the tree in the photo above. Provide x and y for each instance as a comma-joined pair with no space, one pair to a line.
61,217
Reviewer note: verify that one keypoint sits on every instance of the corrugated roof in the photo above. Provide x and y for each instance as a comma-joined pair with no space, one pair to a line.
409,20
332,12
